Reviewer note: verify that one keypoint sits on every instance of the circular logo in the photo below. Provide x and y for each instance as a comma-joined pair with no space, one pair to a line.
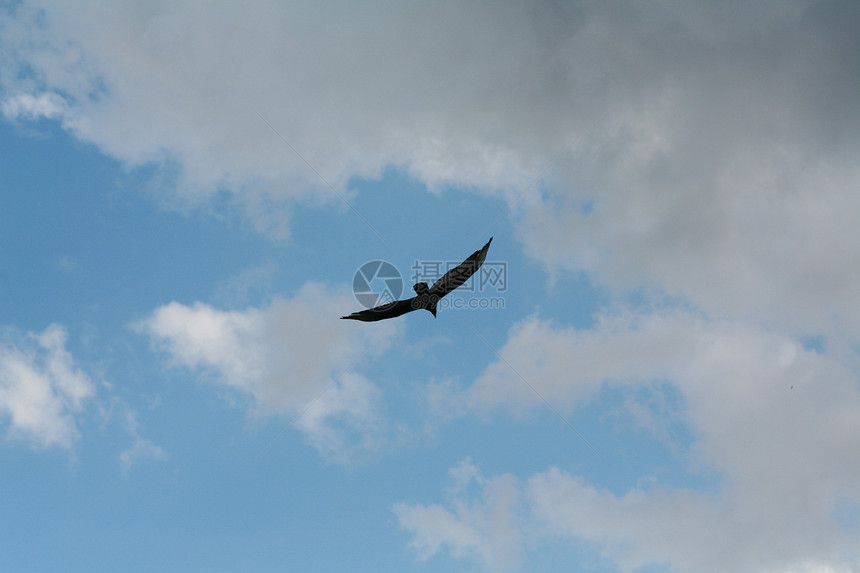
376,283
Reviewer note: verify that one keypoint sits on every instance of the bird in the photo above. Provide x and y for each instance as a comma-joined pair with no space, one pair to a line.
426,297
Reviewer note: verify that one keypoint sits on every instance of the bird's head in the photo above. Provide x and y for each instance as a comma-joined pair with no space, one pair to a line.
421,288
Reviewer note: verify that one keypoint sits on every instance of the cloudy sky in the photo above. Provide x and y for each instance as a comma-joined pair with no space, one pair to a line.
661,375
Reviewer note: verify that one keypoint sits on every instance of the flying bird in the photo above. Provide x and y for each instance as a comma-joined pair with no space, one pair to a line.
427,297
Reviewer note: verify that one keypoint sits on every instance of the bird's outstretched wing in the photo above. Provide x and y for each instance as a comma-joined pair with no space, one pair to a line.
461,273
389,310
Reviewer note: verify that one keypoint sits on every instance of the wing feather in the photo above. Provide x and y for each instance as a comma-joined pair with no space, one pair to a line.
461,273
389,310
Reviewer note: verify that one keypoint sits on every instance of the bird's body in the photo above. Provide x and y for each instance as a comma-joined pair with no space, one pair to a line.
426,297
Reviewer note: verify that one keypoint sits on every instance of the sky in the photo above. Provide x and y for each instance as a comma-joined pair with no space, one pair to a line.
658,369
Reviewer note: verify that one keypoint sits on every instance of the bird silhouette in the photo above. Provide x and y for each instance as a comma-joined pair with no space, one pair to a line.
426,297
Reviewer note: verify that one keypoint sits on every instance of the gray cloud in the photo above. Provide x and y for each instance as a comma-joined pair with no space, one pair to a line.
706,150
725,173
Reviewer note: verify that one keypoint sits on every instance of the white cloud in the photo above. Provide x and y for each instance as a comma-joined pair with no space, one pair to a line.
67,264
26,106
543,354
689,530
681,529
41,389
141,448
293,357
352,88
486,528
354,400
238,289
779,423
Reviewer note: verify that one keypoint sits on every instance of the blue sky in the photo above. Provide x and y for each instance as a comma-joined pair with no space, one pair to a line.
669,381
